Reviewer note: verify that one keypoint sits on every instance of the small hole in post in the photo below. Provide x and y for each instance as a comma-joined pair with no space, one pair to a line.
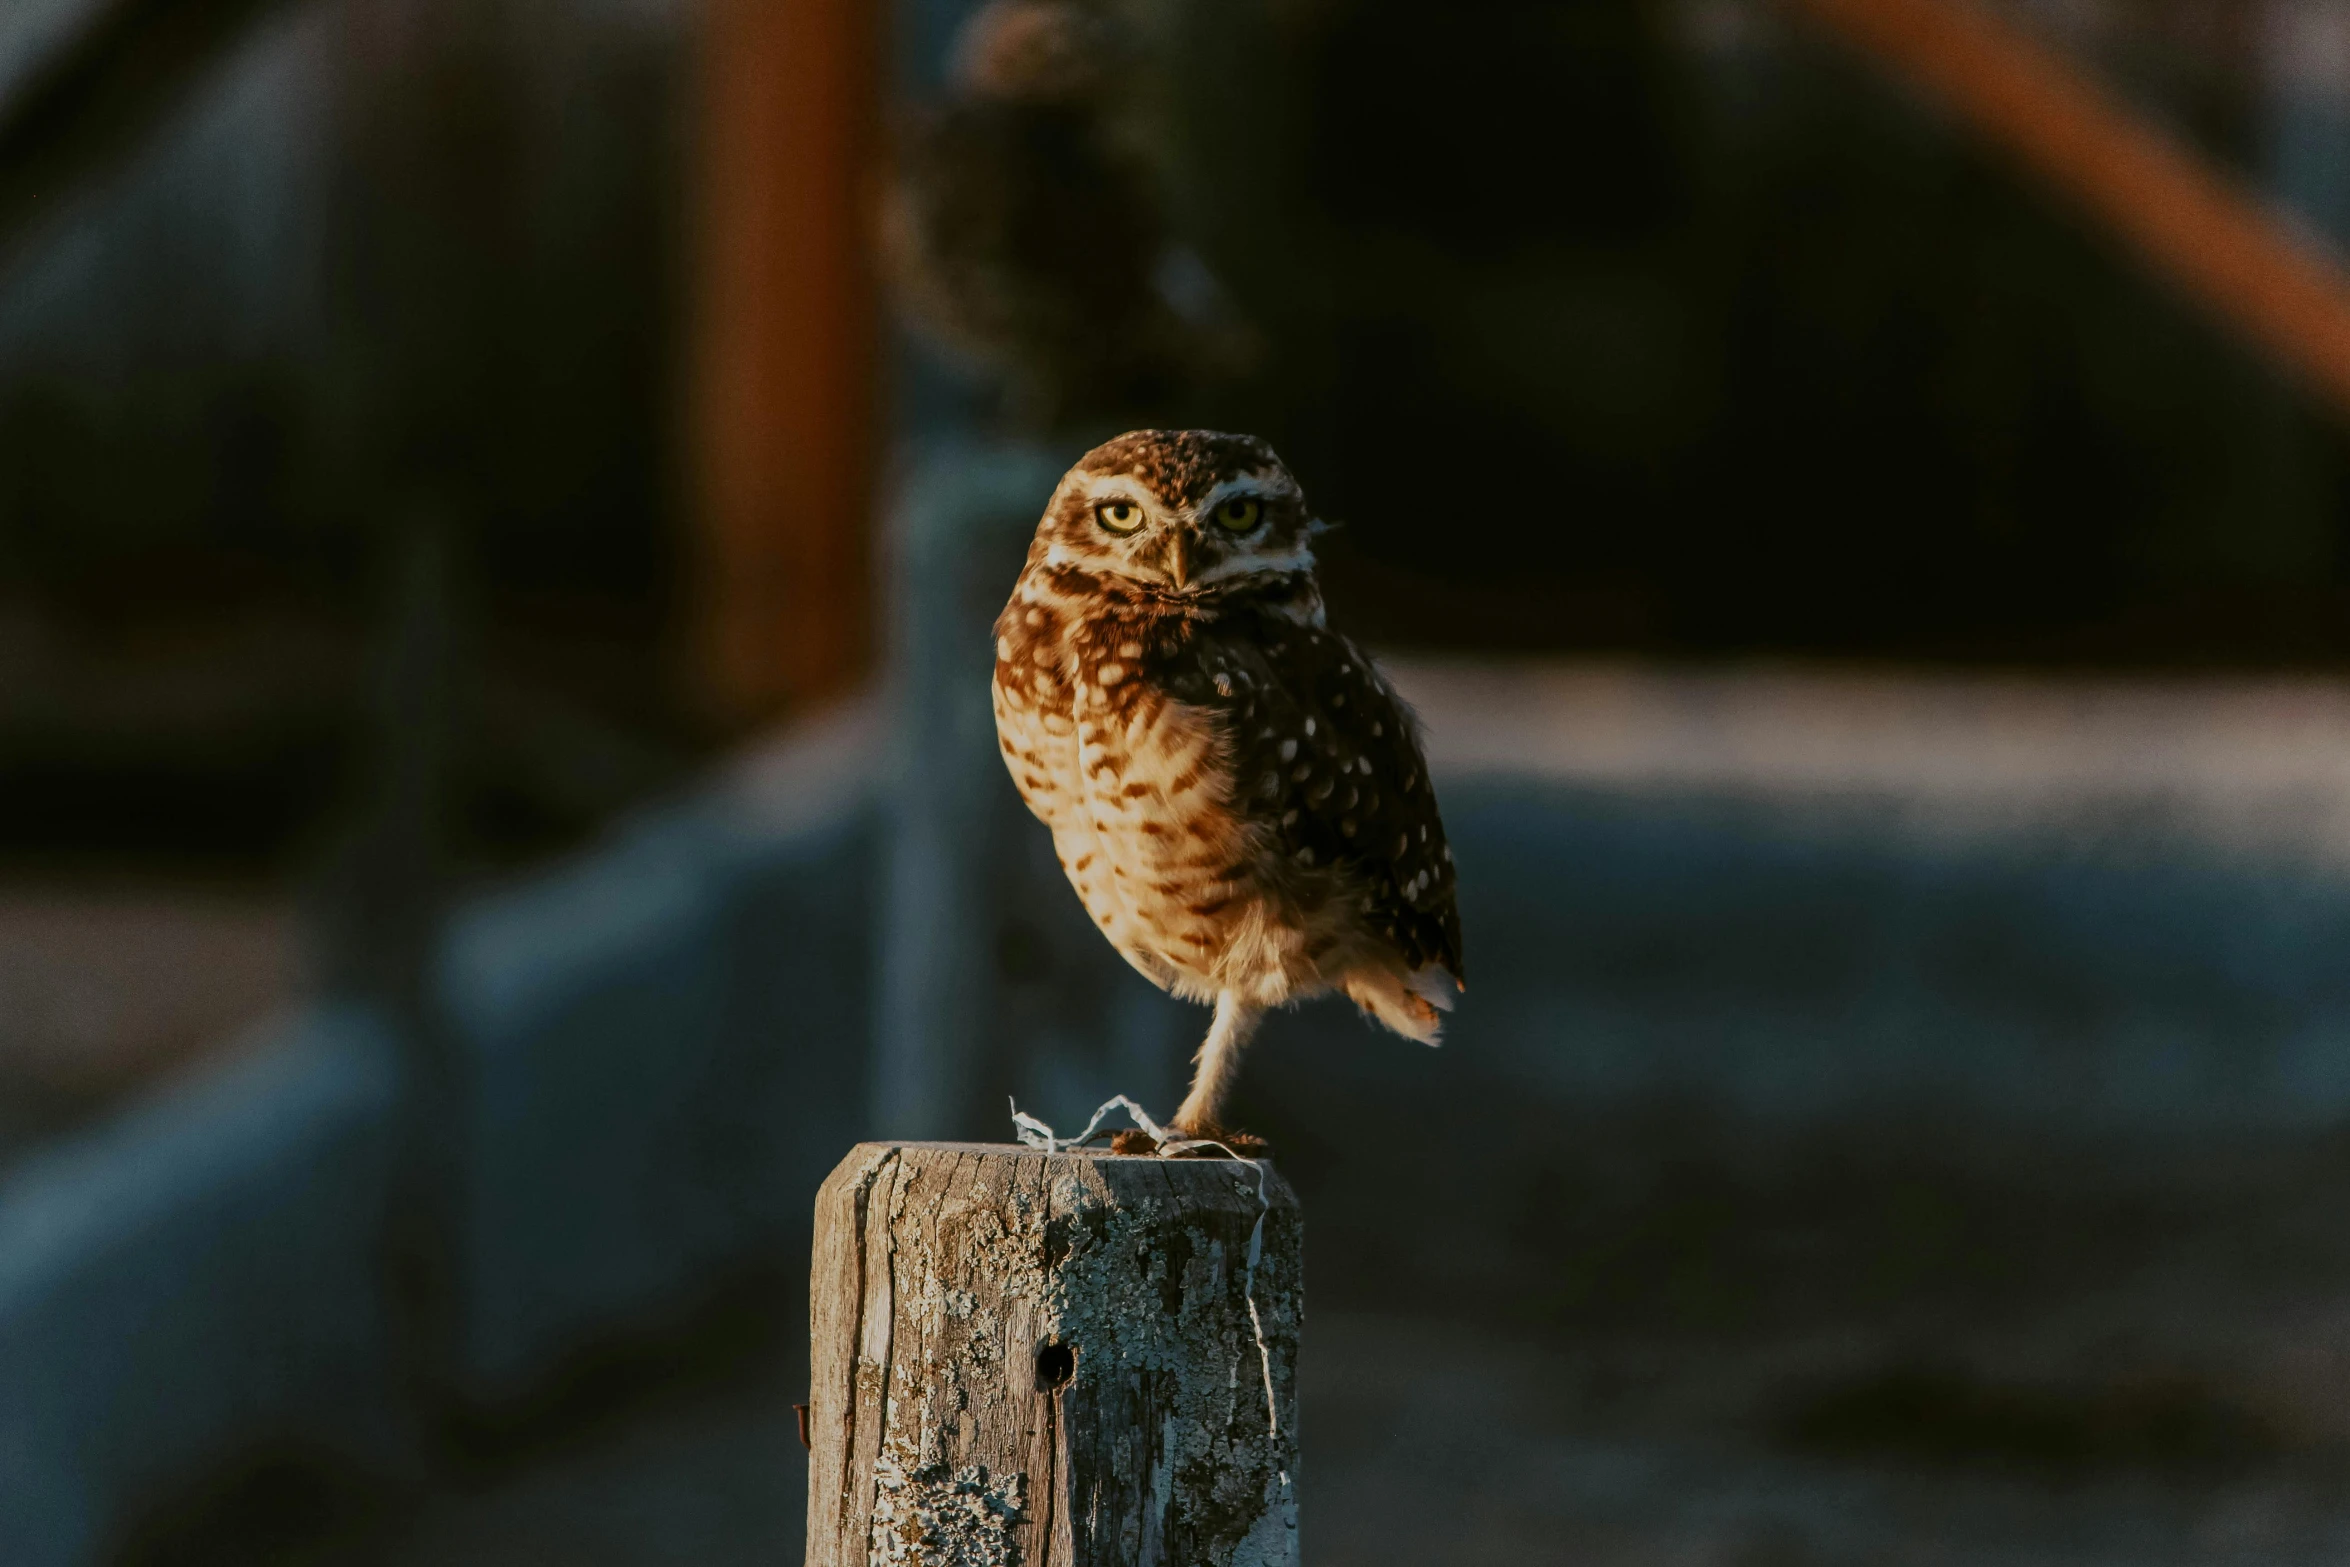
1055,1365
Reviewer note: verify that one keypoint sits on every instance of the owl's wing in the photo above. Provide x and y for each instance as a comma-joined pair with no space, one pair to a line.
1328,757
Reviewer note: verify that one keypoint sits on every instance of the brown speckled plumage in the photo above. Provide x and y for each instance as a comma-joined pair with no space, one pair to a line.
1236,793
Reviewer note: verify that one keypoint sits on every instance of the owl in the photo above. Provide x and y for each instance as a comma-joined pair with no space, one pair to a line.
1238,796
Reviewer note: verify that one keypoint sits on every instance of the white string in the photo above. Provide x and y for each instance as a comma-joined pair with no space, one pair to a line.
1035,1134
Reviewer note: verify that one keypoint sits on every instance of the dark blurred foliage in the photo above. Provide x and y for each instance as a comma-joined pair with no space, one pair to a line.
504,235
1077,325
1616,325
1026,230
468,329
1628,326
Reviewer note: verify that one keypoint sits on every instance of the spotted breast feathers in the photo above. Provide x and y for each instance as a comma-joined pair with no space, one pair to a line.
1315,766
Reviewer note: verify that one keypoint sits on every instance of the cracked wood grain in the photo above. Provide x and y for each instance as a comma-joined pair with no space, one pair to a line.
1029,1359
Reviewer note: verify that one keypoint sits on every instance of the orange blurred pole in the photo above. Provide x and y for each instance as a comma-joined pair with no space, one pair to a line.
2227,251
785,337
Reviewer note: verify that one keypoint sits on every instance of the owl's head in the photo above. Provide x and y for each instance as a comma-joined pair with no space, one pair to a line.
1187,512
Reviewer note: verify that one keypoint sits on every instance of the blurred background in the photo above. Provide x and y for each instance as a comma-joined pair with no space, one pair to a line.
501,503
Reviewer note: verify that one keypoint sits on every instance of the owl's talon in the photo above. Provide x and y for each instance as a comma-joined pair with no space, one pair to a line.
1134,1141
1245,1144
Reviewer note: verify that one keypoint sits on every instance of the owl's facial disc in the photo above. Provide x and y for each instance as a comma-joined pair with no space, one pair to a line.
1182,512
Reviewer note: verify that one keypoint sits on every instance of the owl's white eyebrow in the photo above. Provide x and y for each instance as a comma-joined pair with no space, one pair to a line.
1117,490
1262,489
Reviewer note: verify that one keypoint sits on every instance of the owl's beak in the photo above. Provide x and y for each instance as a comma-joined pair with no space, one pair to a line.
1179,559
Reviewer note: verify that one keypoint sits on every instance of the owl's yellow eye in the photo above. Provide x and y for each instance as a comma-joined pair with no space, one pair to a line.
1118,516
1240,514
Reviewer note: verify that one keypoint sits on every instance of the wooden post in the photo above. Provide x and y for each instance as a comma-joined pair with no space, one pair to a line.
1023,1359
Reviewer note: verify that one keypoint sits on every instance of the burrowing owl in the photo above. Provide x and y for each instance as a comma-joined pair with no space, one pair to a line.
1235,792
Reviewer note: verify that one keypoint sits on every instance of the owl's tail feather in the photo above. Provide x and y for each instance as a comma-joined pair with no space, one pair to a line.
1436,987
1412,1005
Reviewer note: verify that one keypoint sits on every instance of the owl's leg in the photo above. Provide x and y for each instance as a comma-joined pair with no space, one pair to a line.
1202,1111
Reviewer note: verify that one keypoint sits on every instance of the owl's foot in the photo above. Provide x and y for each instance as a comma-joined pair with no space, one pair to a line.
1244,1144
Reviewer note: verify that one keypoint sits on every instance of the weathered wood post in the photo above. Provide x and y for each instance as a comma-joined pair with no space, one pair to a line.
1032,1359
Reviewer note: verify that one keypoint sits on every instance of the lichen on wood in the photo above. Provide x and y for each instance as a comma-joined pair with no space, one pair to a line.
1033,1359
